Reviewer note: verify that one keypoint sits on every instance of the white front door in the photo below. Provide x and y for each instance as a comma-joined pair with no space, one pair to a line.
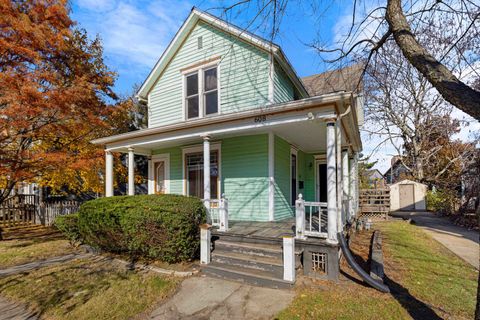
160,177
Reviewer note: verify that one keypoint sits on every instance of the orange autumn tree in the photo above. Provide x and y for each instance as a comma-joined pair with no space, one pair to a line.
53,88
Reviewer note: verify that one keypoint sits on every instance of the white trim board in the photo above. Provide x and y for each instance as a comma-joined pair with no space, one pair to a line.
271,176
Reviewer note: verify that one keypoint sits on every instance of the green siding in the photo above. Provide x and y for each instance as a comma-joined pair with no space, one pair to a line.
244,172
309,176
176,170
243,74
283,87
245,177
283,209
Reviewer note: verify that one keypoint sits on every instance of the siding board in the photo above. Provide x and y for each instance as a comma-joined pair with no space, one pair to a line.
243,75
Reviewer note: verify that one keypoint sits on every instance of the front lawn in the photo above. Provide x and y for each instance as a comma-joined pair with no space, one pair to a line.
88,289
426,279
31,243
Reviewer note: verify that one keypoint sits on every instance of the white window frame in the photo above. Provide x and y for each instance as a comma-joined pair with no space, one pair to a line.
199,149
165,157
199,70
199,95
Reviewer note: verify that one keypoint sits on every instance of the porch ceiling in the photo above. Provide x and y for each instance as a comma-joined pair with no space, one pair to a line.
301,123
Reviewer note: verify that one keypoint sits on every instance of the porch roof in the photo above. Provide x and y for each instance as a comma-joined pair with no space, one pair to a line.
299,122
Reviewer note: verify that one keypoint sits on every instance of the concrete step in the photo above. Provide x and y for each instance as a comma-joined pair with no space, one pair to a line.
262,263
246,275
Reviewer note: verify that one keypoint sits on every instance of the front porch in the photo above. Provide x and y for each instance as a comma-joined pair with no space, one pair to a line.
267,254
281,176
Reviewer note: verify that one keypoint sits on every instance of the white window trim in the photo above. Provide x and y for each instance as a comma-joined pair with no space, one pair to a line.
151,172
199,69
216,146
293,151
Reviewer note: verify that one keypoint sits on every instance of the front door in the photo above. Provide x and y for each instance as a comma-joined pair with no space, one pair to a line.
322,182
159,168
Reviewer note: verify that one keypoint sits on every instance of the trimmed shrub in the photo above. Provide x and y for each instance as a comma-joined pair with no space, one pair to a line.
164,227
68,225
442,201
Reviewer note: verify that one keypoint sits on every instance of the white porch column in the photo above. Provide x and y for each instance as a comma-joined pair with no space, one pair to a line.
355,184
108,174
346,186
151,176
131,172
206,171
351,191
331,183
339,182
271,176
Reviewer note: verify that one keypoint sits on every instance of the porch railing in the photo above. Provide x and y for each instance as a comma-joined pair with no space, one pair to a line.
217,210
311,218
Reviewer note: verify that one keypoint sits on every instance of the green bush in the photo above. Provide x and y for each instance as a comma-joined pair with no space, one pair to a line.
68,225
164,227
441,201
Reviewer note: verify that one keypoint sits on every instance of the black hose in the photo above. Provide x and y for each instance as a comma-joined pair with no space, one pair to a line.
351,261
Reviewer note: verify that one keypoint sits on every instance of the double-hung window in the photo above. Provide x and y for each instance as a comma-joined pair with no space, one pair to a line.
201,93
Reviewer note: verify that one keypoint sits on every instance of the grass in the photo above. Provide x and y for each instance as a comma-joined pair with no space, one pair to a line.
426,279
27,244
431,273
88,289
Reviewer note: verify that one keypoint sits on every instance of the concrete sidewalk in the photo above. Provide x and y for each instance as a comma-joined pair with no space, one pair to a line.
211,298
464,243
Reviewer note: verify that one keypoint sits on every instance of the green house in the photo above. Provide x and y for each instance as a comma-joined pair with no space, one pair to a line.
228,118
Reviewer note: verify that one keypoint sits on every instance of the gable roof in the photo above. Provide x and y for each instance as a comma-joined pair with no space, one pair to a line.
197,15
344,79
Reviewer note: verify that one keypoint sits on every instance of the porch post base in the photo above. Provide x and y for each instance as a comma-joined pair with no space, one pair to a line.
205,243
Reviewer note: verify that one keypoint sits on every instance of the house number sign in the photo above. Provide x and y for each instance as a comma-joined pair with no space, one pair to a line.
260,119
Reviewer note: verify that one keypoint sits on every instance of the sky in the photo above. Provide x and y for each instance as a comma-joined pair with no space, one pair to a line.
135,34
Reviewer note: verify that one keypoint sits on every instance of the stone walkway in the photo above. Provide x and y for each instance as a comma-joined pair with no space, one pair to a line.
210,298
14,311
10,310
42,263
464,243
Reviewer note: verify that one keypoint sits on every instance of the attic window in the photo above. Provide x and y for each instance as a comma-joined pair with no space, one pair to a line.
200,42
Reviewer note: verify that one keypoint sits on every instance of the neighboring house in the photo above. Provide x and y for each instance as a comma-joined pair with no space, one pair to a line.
396,171
229,116
375,179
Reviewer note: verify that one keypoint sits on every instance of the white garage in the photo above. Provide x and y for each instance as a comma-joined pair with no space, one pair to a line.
408,195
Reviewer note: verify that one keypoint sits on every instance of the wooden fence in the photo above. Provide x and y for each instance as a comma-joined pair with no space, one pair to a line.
22,210
48,211
374,203
18,210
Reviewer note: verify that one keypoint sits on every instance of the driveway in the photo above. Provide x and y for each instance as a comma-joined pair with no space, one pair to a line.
464,243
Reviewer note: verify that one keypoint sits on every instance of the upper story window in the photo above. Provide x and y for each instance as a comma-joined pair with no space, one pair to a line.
201,93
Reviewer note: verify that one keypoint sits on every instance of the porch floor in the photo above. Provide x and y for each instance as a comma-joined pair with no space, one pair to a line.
266,230
276,229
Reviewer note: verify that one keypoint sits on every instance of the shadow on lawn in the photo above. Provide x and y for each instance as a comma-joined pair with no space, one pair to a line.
64,287
31,233
417,309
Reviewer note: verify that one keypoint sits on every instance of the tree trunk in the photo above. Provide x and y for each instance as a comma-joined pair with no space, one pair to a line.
450,87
